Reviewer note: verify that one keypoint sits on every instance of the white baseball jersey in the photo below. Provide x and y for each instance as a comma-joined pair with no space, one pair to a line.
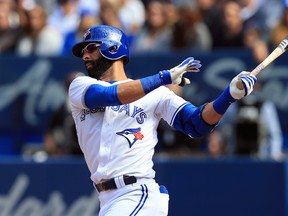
120,140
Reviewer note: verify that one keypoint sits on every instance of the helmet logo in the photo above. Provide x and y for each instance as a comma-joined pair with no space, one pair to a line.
114,49
87,35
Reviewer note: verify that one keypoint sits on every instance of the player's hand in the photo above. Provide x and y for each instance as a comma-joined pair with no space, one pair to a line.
248,80
188,65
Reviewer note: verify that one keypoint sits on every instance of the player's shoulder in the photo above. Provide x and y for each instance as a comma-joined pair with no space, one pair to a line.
86,80
83,79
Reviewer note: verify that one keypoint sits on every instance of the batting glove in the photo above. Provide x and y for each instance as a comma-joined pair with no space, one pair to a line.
248,80
188,65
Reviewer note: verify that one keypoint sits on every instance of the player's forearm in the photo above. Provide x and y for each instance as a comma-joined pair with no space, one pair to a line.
130,91
213,111
124,93
209,115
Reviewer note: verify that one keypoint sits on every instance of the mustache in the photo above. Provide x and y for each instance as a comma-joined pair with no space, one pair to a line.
89,61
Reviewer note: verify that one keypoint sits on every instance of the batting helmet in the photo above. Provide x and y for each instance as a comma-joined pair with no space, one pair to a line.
114,43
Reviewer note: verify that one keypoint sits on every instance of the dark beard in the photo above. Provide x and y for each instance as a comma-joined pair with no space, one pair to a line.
99,67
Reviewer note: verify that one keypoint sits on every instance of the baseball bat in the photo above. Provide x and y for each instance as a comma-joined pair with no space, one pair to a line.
279,50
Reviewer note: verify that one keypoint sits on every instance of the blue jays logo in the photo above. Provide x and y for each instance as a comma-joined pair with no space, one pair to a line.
131,135
87,35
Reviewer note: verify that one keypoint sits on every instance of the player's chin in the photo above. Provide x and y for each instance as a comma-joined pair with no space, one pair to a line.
92,72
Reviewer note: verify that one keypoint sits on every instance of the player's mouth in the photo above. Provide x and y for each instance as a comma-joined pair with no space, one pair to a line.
88,65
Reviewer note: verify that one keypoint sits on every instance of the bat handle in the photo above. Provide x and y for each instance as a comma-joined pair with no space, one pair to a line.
255,72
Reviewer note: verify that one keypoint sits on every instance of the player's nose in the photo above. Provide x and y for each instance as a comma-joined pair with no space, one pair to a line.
86,56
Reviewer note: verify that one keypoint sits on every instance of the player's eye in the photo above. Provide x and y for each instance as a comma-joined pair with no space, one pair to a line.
90,48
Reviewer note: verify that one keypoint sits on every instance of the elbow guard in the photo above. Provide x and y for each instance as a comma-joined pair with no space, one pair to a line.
189,120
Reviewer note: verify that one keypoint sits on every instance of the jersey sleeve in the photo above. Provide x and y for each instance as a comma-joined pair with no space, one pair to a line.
169,104
181,114
77,90
190,121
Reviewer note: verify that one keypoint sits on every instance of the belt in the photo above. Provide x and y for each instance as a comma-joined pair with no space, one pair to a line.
110,184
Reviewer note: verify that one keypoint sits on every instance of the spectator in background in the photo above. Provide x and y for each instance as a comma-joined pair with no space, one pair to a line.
231,33
256,44
9,27
280,30
216,144
60,137
127,15
93,6
171,12
132,16
21,19
210,13
39,38
156,33
190,32
65,16
109,13
261,14
87,19
230,30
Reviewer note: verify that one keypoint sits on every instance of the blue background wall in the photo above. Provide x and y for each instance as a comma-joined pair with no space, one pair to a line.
197,187
225,187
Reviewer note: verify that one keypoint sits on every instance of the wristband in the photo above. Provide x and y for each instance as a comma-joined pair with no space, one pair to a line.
166,77
222,103
152,82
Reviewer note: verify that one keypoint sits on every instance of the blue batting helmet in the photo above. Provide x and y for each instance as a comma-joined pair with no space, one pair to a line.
113,42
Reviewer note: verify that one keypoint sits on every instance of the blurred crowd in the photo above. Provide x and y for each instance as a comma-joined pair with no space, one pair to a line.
51,28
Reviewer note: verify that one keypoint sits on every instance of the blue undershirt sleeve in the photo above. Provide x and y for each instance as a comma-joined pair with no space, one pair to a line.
189,121
100,96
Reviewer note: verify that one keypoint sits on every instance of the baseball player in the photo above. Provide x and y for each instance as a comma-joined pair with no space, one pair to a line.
116,120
